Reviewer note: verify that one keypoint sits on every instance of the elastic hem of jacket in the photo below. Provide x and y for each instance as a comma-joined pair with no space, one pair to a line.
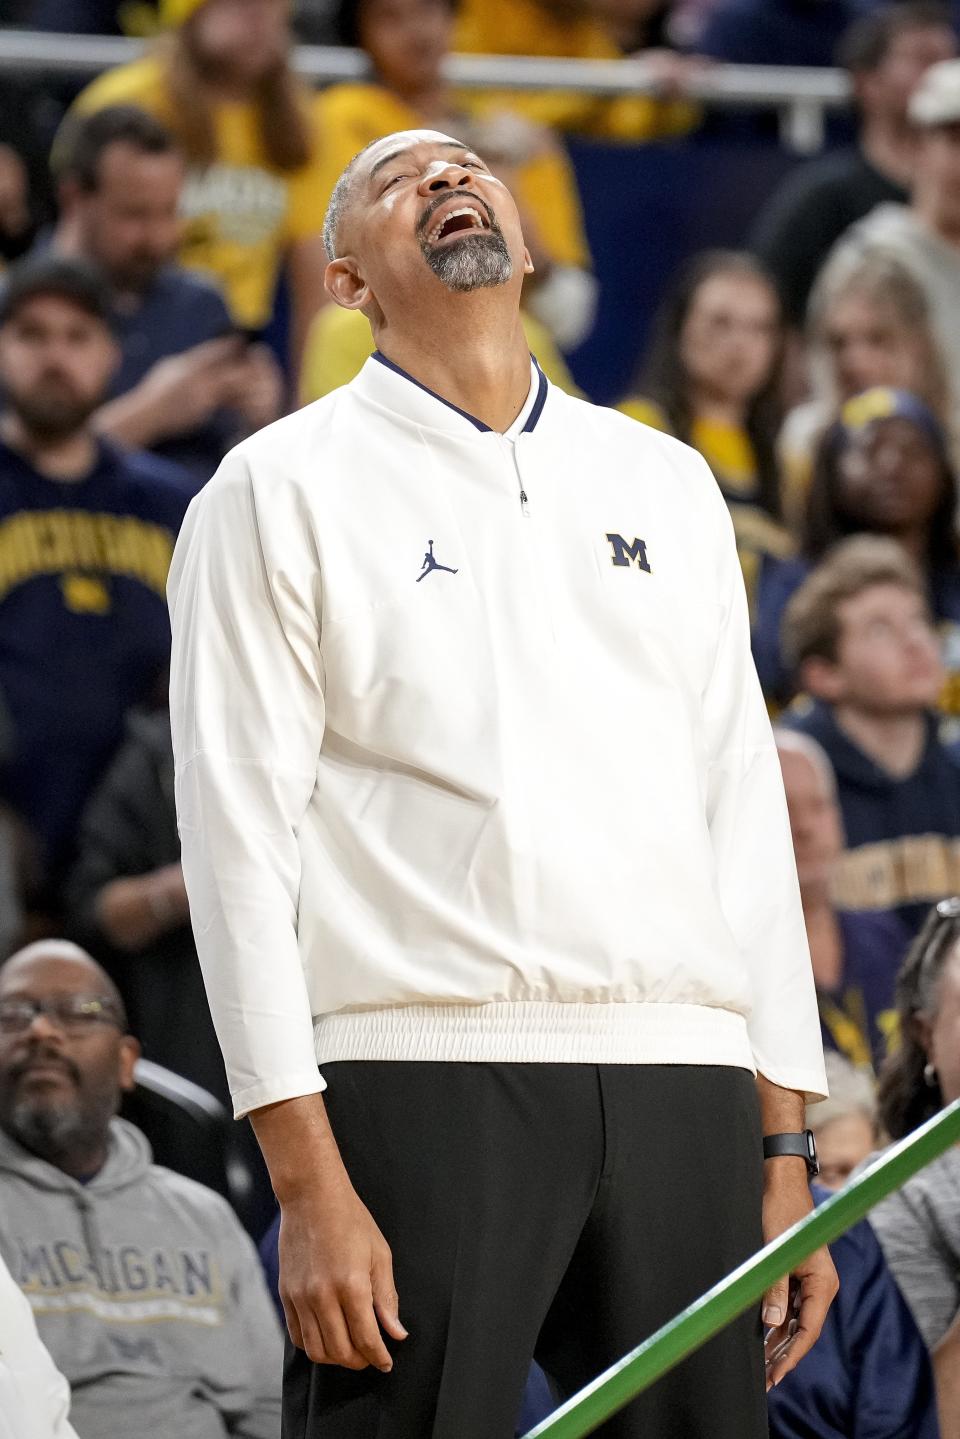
539,1032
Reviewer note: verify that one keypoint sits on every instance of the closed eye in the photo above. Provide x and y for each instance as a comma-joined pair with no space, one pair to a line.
392,181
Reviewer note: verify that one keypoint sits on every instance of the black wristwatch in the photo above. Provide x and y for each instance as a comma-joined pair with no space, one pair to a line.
803,1145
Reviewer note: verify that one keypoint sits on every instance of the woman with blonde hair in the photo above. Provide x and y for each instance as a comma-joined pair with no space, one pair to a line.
222,83
868,324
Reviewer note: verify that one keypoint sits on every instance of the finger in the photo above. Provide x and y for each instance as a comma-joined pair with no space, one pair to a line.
364,1330
338,1346
293,1322
386,1301
814,1306
775,1303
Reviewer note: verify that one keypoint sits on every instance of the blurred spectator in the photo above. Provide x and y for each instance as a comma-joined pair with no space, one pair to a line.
871,326
855,956
188,386
886,53
224,86
924,235
882,469
34,1396
778,32
572,28
868,1376
919,1225
845,1124
86,535
145,1289
408,42
712,379
126,891
341,340
26,200
859,633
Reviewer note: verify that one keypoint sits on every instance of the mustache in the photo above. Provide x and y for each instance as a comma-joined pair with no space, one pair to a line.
434,206
41,1053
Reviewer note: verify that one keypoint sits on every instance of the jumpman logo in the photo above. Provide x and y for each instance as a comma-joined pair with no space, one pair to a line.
430,564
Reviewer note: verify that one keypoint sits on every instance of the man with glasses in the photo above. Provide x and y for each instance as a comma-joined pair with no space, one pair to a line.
145,1288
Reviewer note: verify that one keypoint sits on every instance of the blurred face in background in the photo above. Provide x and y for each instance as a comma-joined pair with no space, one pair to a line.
730,338
937,191
870,343
238,42
129,224
888,658
886,90
842,1144
407,40
890,478
56,360
814,818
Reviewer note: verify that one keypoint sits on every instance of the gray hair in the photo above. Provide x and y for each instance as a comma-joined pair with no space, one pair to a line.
852,1091
339,201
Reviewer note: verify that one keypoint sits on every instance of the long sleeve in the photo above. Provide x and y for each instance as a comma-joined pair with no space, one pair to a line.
34,1396
750,834
247,716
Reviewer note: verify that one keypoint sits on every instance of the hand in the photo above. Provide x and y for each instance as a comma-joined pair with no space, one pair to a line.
336,1278
814,1281
184,390
257,392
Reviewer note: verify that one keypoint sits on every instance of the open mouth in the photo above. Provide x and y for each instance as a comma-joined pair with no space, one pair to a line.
461,221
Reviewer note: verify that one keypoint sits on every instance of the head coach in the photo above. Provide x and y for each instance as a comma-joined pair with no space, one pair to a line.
488,859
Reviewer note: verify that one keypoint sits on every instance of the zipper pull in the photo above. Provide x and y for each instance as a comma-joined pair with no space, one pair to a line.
524,504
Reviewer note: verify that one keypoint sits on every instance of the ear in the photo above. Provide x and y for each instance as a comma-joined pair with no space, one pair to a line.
822,678
922,1031
344,283
68,193
527,262
129,1054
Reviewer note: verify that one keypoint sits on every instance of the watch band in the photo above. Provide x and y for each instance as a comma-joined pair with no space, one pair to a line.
802,1145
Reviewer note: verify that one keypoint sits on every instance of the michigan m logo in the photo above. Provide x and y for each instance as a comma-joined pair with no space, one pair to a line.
626,554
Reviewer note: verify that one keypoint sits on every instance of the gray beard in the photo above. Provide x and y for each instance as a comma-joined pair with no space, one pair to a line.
473,263
53,1133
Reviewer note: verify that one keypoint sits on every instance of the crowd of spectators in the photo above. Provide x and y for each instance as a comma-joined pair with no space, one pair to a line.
161,297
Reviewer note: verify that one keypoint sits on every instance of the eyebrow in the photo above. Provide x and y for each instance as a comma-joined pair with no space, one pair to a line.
397,154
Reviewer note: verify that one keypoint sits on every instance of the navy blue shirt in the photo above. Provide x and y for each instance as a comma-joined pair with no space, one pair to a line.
859,1017
778,32
178,311
84,632
903,834
868,1376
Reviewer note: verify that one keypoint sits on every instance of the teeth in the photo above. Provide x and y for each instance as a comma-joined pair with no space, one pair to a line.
434,234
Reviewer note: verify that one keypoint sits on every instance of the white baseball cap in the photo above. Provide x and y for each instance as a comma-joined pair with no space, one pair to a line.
936,100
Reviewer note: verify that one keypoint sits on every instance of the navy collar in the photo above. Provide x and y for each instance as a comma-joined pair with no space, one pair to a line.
536,408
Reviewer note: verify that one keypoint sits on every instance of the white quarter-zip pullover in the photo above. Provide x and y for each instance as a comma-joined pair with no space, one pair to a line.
472,762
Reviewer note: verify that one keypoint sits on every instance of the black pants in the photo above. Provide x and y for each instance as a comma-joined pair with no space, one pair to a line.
559,1211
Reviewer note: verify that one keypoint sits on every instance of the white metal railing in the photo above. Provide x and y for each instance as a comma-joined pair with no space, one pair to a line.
801,96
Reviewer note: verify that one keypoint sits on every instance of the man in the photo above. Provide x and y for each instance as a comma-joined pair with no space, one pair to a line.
487,844
886,54
86,534
859,635
856,955
188,385
144,1287
924,235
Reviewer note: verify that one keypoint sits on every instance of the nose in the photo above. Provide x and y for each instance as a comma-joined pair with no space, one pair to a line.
42,1027
444,175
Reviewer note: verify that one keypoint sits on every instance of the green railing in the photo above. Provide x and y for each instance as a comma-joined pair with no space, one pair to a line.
640,1368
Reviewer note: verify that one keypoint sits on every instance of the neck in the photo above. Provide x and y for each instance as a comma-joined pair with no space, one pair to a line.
896,742
82,1163
486,372
719,407
68,459
890,146
916,542
431,98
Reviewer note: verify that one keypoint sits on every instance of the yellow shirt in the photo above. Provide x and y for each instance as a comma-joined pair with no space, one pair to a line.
729,452
524,27
348,117
340,341
241,213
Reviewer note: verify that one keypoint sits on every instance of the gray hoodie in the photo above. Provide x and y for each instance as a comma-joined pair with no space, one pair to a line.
148,1294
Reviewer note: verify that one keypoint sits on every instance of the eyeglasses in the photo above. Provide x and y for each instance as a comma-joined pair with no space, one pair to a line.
73,1014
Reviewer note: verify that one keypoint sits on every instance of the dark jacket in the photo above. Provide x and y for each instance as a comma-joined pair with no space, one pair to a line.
130,828
868,1376
903,835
